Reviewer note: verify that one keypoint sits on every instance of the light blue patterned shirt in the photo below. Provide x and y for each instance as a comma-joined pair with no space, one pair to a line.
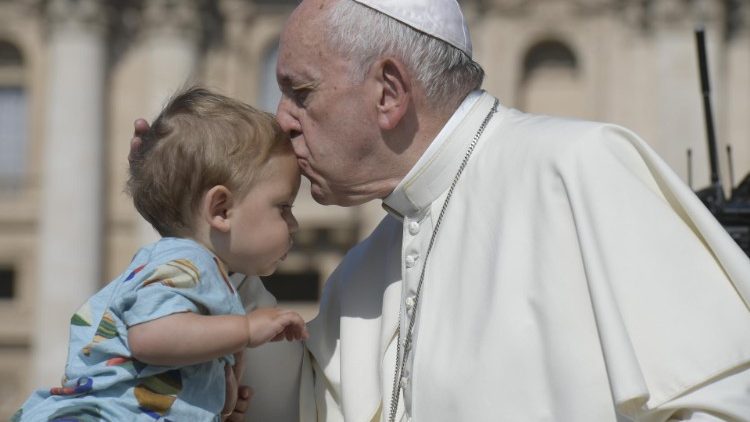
103,381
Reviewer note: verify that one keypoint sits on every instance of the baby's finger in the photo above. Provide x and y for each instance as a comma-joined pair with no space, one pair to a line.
296,319
289,333
288,318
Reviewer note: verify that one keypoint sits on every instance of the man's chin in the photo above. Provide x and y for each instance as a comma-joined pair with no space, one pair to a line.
326,197
321,196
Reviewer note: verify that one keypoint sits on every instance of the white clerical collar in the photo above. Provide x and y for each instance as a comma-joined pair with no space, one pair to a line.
432,173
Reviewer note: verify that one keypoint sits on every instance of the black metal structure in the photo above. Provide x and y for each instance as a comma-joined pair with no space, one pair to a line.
734,212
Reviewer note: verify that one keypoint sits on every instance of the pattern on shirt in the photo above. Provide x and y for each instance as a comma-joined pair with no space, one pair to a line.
82,386
224,274
107,330
156,394
134,272
82,317
180,274
77,413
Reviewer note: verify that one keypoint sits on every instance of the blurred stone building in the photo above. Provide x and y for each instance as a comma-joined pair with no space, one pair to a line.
74,74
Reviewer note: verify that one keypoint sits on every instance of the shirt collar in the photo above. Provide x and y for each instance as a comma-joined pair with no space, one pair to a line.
435,169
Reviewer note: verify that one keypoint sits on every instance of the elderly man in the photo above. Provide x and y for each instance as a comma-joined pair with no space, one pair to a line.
529,269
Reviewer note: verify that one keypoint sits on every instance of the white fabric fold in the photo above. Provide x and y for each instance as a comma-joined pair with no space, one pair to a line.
574,277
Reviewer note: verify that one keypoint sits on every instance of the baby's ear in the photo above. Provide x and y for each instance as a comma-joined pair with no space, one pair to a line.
215,207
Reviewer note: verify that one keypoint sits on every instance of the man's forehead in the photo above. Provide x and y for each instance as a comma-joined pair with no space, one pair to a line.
296,65
311,9
302,49
304,26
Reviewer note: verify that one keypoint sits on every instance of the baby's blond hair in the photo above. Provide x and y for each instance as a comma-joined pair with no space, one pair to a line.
198,141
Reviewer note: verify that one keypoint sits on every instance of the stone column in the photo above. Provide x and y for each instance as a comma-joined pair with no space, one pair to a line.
738,94
171,34
72,203
238,16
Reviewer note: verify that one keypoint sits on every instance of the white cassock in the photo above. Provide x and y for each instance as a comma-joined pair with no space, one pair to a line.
574,278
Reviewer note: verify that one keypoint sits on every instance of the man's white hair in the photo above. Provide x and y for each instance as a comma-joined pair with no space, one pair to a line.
362,34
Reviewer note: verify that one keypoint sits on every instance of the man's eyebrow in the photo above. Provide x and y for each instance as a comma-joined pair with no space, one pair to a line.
304,85
293,83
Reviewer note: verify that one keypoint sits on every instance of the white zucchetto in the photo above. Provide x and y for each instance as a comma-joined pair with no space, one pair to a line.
441,19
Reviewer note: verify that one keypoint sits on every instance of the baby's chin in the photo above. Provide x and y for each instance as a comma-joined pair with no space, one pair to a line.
269,271
272,267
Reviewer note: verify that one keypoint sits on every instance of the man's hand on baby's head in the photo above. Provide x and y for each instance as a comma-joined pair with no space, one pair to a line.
274,324
140,127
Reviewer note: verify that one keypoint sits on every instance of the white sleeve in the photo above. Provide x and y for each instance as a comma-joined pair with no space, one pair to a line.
727,399
273,369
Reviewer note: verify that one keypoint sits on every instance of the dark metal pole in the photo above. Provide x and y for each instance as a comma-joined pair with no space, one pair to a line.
690,167
708,114
731,167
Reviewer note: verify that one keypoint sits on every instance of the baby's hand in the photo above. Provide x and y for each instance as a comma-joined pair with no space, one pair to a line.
274,324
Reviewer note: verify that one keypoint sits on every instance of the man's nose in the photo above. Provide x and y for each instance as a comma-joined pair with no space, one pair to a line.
286,120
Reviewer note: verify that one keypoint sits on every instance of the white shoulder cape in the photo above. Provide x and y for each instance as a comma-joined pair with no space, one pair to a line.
574,275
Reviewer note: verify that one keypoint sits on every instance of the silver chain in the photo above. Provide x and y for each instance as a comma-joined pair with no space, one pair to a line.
407,341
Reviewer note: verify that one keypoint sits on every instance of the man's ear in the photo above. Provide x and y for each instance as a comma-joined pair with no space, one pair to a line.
215,207
395,92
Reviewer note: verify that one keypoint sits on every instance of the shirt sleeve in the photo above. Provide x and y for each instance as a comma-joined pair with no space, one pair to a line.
191,284
667,283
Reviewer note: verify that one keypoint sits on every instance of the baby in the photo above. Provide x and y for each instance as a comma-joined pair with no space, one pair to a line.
217,179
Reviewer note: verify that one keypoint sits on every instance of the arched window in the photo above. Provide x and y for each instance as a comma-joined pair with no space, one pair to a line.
551,82
549,55
13,144
269,89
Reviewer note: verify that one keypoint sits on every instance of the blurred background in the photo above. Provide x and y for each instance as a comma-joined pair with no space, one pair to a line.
74,74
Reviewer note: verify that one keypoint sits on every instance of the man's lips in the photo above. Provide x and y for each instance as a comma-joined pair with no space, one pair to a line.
305,168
